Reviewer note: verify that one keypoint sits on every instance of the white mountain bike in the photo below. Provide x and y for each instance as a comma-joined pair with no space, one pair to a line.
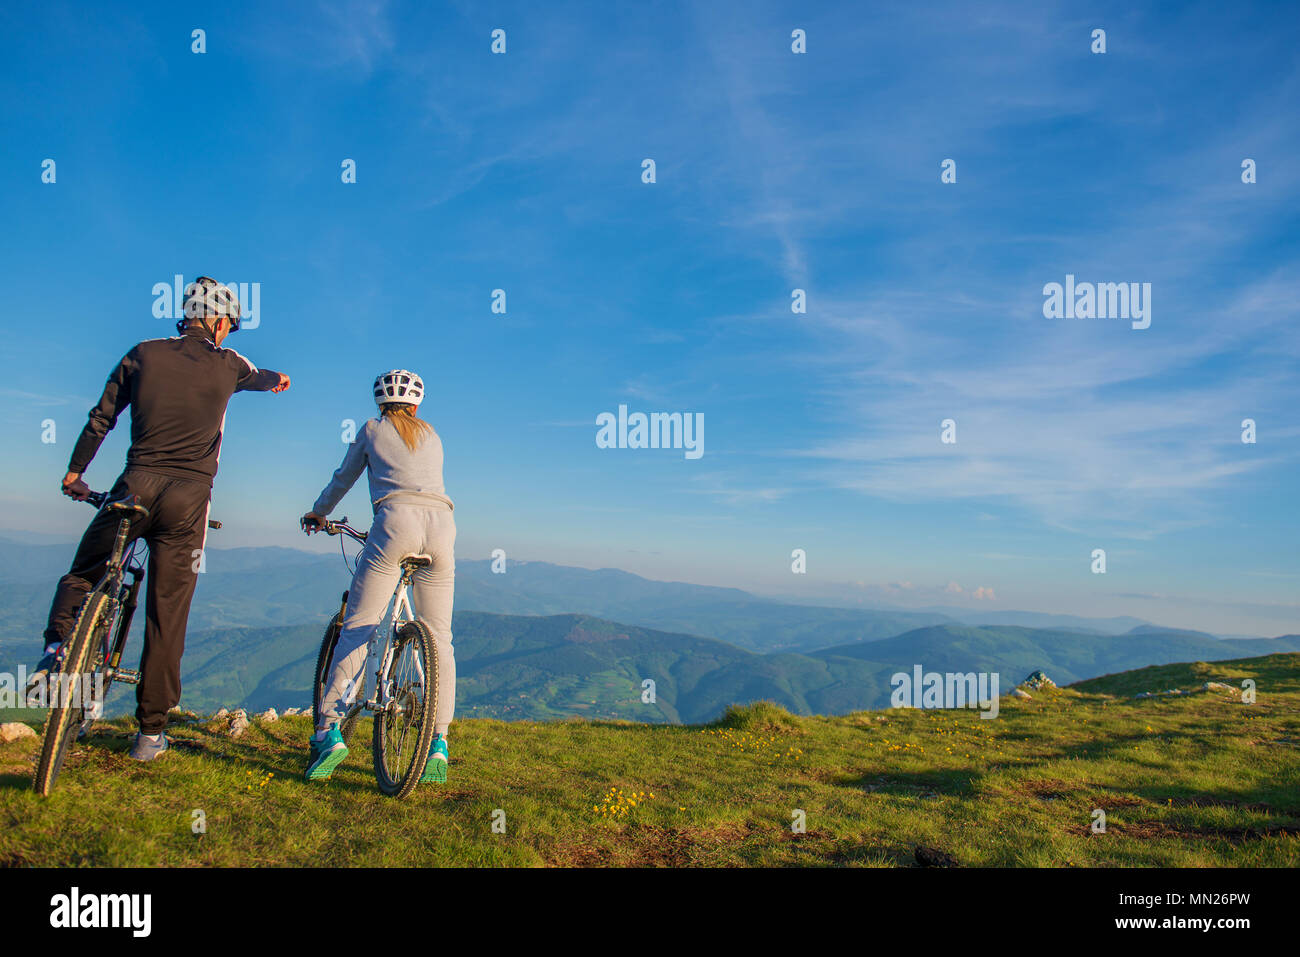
403,659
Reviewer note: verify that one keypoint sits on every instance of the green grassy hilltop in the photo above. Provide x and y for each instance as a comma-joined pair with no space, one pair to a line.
1184,780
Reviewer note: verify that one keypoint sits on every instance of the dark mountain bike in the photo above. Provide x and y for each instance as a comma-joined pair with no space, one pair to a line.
90,660
404,661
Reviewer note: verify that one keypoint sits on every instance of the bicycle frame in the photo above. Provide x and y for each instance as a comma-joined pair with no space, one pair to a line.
400,612
402,654
125,605
90,658
123,598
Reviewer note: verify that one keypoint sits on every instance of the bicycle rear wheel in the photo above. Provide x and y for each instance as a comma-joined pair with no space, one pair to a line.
73,681
324,667
404,726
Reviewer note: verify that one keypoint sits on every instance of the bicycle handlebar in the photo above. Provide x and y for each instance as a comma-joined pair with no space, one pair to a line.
98,499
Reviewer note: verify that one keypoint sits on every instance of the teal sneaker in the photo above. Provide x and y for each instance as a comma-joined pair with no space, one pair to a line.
435,770
326,755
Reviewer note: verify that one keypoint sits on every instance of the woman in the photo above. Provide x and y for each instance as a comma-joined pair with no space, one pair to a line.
413,515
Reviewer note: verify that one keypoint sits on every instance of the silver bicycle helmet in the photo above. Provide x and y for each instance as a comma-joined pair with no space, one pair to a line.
399,385
205,298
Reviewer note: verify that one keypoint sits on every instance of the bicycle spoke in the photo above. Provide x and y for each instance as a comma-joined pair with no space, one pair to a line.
395,729
404,725
407,684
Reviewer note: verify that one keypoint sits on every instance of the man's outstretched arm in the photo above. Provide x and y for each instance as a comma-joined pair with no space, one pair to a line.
252,379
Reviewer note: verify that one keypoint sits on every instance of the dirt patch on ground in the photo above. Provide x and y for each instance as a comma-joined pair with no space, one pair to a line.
1209,800
1145,830
654,846
1138,830
636,846
1239,835
648,845
1160,831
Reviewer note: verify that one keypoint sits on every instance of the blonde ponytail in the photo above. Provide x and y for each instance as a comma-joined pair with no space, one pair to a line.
409,426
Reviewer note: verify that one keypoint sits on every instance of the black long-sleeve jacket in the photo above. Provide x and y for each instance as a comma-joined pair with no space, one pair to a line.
177,389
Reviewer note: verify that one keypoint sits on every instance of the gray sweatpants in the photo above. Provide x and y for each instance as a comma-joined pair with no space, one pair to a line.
398,530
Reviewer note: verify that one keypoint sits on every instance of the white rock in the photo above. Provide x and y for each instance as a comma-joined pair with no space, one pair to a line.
238,724
1017,693
268,716
15,731
222,713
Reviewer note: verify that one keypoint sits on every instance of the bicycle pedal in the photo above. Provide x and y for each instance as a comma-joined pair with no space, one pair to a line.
127,676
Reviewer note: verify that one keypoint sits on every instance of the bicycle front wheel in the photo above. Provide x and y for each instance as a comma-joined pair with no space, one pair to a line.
73,683
404,724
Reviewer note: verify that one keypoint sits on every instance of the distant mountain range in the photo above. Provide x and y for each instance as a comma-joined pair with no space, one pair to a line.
282,586
544,641
545,667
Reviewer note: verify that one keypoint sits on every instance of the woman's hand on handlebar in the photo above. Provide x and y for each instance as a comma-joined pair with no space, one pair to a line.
311,522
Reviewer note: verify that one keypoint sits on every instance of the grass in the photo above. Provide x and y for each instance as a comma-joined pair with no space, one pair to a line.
1190,780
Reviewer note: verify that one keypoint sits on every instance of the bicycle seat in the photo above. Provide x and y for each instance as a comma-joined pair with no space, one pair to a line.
132,507
417,561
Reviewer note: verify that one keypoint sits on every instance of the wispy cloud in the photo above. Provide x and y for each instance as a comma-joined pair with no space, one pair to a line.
350,34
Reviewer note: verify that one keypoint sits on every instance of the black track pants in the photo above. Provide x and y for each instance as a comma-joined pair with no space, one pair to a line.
175,530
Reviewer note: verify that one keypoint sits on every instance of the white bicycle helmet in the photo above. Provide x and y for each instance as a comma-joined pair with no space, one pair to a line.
205,298
399,386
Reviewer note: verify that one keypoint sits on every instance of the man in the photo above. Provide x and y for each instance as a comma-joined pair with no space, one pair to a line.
177,389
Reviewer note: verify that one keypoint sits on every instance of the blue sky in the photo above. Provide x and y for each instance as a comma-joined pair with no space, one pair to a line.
775,171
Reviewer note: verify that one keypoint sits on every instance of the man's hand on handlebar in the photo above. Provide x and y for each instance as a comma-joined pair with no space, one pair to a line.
75,488
311,522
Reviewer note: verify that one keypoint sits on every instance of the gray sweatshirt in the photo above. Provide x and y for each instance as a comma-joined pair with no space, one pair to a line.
396,473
